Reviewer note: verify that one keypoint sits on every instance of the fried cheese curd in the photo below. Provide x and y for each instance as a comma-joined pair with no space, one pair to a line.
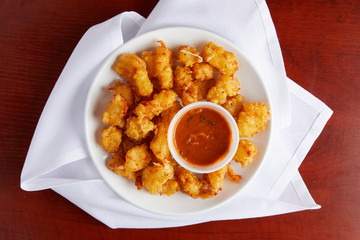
245,152
186,88
129,165
222,60
139,113
226,86
202,71
138,128
117,165
207,187
124,91
159,144
115,112
252,118
189,182
137,158
111,138
159,65
234,104
212,183
163,66
133,69
188,56
154,178
149,59
159,103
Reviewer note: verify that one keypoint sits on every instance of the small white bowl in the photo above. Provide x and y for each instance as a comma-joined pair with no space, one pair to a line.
217,165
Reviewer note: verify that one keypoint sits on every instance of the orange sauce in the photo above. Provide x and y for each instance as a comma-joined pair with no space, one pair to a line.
202,136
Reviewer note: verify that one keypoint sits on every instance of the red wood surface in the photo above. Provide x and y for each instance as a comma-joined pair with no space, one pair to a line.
320,41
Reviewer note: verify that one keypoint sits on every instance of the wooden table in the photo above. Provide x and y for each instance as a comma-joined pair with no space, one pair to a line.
320,41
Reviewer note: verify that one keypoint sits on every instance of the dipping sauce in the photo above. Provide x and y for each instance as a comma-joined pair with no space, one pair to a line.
202,136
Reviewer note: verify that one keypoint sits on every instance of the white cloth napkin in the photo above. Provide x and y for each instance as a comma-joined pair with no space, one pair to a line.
58,156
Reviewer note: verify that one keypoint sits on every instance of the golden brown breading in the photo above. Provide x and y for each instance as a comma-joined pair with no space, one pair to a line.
133,69
224,61
158,144
117,165
190,95
226,86
188,56
111,138
154,177
212,183
163,66
245,153
185,86
149,59
202,71
234,104
189,183
160,102
125,91
115,112
183,78
252,119
216,178
137,158
170,187
138,128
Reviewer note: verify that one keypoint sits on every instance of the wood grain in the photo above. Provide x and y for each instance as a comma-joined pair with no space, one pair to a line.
320,41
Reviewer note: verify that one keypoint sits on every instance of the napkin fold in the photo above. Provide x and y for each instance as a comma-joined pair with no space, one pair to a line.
58,156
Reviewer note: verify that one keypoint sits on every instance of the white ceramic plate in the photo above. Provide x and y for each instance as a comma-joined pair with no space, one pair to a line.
251,86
